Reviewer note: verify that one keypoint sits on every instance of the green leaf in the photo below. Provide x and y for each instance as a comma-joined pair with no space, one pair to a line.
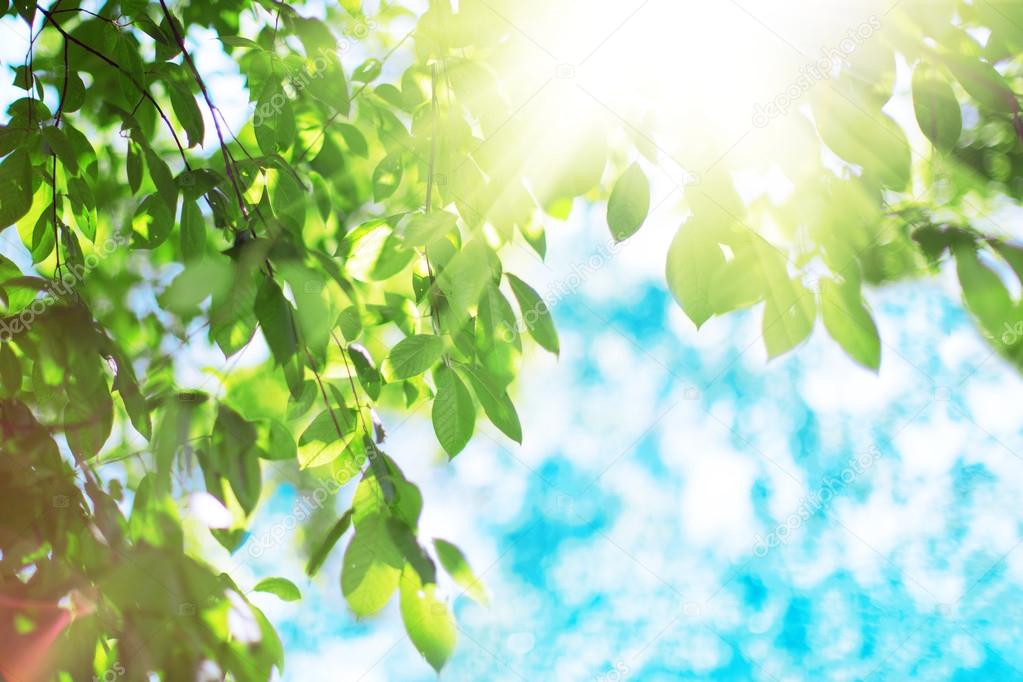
280,444
329,84
73,90
133,166
319,555
15,187
369,376
417,559
937,109
83,205
23,78
354,138
238,41
372,568
199,280
166,188
275,319
387,176
194,184
850,323
984,293
535,314
274,120
465,277
454,413
425,228
127,386
693,258
87,423
353,7
321,443
789,314
59,145
152,223
454,562
188,113
193,231
629,204
368,71
428,621
536,237
413,356
498,345
496,403
376,253
82,149
279,587
312,314
235,458
982,82
10,371
865,137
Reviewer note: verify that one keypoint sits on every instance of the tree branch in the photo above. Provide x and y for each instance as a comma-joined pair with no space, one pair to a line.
142,88
228,165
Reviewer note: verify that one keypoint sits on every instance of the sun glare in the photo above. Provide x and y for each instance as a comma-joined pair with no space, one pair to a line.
703,74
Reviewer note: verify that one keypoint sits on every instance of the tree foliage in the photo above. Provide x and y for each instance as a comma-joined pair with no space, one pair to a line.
356,225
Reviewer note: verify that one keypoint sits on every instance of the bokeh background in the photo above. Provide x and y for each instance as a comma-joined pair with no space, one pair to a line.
681,507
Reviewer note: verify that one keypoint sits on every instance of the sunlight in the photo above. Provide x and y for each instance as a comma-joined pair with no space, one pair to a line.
701,74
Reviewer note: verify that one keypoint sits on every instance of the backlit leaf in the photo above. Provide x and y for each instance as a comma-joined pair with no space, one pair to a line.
629,203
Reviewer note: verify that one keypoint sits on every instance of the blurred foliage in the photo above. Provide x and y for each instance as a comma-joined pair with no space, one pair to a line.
356,225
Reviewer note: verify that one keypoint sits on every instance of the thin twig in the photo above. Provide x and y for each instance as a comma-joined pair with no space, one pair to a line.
93,14
63,89
351,380
56,124
432,292
323,392
228,165
131,78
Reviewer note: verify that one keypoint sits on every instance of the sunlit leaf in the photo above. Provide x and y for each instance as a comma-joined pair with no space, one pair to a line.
372,568
629,203
281,588
535,314
454,562
330,435
496,403
15,188
850,323
937,109
454,413
319,555
413,356
789,314
693,258
982,82
428,621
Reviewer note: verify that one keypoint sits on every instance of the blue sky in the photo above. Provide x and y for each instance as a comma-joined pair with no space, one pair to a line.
627,538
